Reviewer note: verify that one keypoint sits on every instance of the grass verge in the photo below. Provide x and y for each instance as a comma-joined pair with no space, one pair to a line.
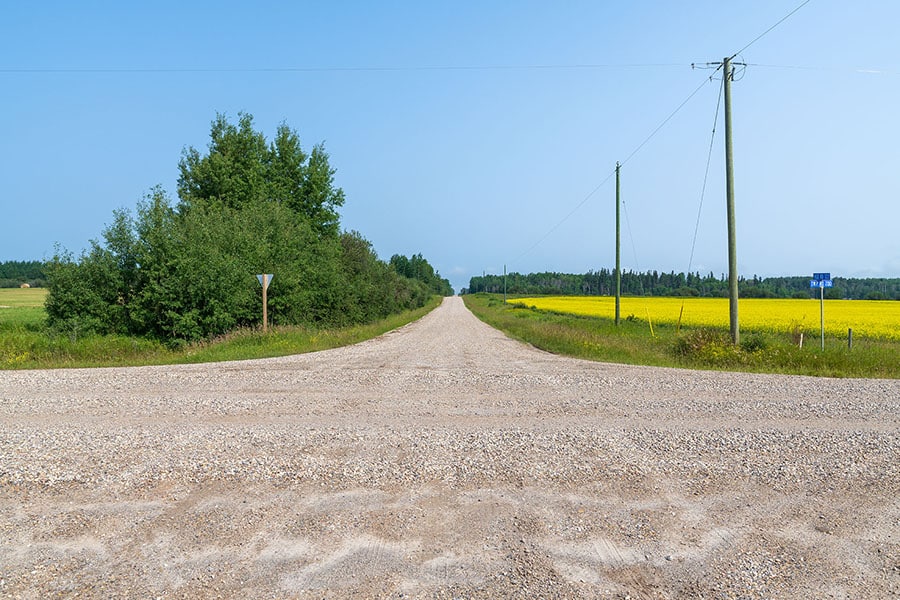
634,342
25,343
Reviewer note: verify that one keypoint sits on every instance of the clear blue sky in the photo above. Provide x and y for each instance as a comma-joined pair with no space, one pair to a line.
442,152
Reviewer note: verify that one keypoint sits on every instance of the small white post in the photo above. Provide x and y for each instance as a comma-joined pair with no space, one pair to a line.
264,281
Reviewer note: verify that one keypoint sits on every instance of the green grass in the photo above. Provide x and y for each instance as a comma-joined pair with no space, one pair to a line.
18,297
283,341
599,339
26,343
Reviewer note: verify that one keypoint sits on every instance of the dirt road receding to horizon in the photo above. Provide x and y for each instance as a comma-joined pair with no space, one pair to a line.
444,460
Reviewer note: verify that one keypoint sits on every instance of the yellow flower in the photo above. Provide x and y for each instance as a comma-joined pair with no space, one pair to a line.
875,319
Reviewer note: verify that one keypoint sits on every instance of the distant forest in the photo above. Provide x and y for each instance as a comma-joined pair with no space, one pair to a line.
654,283
14,273
596,283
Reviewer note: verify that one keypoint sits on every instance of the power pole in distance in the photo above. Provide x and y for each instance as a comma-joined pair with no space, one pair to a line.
618,254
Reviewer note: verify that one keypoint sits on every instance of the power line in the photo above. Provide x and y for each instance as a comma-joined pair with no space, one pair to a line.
608,177
352,69
666,120
388,69
424,68
717,66
637,265
115,70
863,70
564,219
712,138
764,33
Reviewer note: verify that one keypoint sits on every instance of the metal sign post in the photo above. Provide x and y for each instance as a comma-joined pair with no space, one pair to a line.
264,280
821,281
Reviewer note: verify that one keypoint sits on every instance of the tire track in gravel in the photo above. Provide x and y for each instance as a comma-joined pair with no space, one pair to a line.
446,460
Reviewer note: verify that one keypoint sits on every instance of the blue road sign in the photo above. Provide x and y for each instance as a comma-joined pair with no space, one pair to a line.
821,283
821,276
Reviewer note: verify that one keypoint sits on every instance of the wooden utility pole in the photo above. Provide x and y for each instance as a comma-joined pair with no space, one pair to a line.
728,73
618,253
504,284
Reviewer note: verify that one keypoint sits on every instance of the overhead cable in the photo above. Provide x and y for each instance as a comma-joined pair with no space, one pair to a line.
764,33
363,68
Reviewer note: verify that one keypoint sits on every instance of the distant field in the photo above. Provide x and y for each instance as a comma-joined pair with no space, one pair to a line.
20,309
18,297
874,319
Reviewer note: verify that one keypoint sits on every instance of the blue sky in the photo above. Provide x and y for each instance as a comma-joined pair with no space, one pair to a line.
470,131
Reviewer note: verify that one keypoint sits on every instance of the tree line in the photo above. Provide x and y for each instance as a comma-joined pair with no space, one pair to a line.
417,268
186,269
13,273
654,283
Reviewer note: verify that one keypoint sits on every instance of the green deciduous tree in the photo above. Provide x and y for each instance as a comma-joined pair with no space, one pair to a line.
234,171
241,169
188,271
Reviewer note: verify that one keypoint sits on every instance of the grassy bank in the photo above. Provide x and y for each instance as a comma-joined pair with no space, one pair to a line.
634,342
26,343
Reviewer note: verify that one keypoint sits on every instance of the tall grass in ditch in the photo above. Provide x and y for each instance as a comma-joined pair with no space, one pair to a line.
634,342
26,342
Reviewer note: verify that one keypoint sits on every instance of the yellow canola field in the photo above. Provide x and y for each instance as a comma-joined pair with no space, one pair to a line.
868,318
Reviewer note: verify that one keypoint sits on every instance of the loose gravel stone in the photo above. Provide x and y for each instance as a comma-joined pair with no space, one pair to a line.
444,460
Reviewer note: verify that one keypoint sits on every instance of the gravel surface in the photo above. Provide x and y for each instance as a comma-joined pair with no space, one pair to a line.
444,460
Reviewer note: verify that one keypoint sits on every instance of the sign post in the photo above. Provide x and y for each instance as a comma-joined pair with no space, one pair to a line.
264,280
821,281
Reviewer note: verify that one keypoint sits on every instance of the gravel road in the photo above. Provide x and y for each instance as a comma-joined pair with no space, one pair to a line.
445,460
